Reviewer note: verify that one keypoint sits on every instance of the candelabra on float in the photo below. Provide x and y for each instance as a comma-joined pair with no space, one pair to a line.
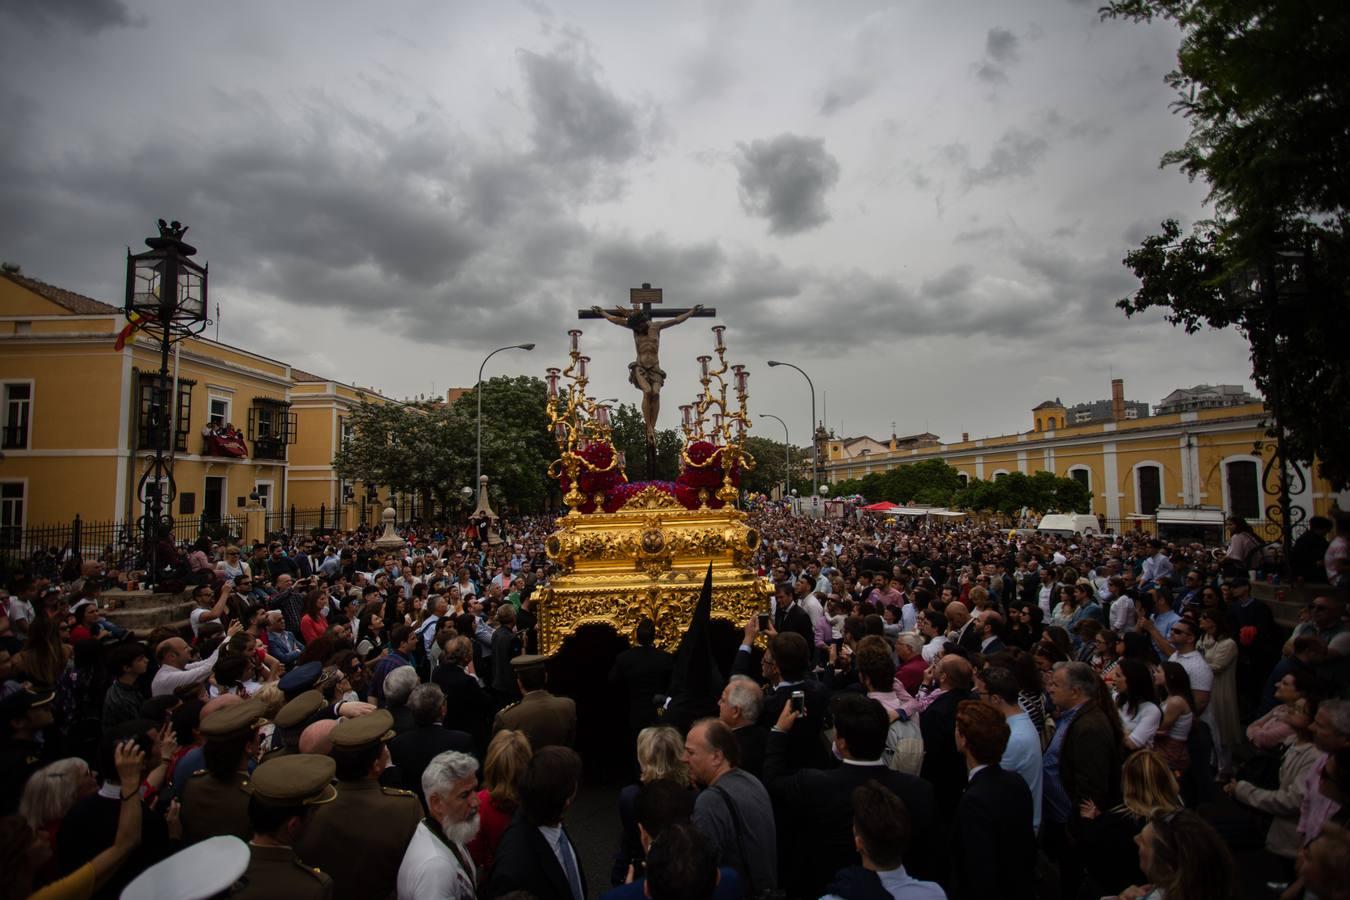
579,424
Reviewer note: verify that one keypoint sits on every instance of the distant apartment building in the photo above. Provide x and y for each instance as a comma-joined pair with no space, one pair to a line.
1204,396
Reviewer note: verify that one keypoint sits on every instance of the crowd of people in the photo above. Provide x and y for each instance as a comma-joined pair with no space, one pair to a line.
922,711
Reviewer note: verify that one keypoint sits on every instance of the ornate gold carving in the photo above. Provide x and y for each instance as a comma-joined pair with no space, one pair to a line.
652,498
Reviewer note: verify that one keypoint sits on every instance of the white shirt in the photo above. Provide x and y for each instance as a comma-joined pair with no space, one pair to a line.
431,871
811,604
168,679
933,648
1141,727
1044,598
1202,679
1123,614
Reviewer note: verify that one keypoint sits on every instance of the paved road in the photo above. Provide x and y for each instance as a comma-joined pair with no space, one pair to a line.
593,824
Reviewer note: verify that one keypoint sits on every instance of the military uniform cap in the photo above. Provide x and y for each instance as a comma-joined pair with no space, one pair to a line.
298,779
206,869
299,710
528,661
234,720
362,731
300,679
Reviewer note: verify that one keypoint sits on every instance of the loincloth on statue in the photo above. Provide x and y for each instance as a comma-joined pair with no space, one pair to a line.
655,376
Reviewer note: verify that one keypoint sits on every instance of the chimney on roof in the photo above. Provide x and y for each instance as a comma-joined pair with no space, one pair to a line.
965,436
1117,400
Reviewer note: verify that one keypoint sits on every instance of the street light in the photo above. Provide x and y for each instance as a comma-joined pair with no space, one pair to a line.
815,455
787,454
165,297
478,389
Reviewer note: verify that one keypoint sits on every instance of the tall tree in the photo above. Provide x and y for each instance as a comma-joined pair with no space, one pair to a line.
1263,85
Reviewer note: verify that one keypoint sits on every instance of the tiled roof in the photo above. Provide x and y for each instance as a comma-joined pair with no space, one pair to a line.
301,375
77,304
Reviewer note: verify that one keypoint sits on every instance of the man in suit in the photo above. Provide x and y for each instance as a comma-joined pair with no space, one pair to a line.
643,672
535,854
881,832
785,666
994,845
943,765
990,627
1081,763
964,632
412,750
815,806
546,720
738,708
468,708
788,615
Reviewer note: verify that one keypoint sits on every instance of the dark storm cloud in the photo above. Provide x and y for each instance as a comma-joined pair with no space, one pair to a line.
956,280
576,117
83,15
1014,155
1000,52
785,179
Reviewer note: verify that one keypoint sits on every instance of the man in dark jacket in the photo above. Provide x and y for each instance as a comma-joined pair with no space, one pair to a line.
468,707
815,806
785,667
412,750
994,845
536,854
944,765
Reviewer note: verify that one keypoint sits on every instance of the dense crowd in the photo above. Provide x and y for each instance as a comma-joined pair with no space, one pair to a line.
924,710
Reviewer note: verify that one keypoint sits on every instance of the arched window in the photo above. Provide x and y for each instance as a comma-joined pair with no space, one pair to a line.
1242,478
1000,474
1148,486
964,478
1082,475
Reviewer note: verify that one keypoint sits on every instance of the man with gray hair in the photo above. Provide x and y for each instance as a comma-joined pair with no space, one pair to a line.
413,750
398,688
738,708
437,865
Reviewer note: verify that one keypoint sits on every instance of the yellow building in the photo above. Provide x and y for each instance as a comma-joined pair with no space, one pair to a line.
74,428
1209,457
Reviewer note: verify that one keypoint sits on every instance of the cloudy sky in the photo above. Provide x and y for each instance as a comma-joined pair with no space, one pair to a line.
922,204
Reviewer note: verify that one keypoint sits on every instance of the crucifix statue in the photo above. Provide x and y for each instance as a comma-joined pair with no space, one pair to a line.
646,373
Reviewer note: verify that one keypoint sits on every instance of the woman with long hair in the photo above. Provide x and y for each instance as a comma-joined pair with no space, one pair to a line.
1056,637
51,791
1178,716
1137,702
1107,836
1182,857
1061,610
1284,803
1221,652
45,653
503,766
314,619
1107,647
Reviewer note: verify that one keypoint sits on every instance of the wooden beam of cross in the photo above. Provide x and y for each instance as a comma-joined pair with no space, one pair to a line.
642,298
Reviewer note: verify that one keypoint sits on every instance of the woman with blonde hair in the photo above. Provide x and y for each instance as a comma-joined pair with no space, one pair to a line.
660,755
1107,842
507,756
52,790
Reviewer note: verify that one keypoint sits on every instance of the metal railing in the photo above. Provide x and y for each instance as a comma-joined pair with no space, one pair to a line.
48,548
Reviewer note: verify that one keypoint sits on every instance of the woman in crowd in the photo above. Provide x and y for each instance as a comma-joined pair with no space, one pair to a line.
1178,715
1138,646
231,567
371,631
51,791
1284,802
1085,634
1057,637
200,567
1085,605
1107,838
1108,646
314,619
1220,652
232,674
23,854
660,754
504,764
1272,731
1137,700
46,652
1182,858
1062,609
1030,687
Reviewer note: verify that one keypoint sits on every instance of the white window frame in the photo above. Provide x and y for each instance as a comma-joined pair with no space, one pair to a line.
1162,485
166,508
22,524
265,499
1080,468
211,399
1260,488
31,403
998,472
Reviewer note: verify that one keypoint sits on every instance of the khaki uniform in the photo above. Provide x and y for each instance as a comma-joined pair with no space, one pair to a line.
546,720
359,839
212,807
277,872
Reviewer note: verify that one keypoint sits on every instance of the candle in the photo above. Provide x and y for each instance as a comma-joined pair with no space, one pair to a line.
717,421
581,366
688,413
717,330
560,432
553,383
703,365
602,415
575,334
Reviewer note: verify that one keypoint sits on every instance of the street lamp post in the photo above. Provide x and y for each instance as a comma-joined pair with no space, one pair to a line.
165,297
478,389
815,455
787,454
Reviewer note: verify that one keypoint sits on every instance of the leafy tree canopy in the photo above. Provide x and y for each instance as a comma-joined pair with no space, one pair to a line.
1263,84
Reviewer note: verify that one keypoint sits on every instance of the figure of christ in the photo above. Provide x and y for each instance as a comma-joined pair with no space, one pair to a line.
646,373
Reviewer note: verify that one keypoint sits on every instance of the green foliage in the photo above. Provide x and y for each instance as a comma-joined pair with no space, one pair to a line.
928,483
428,447
629,434
1043,492
1262,83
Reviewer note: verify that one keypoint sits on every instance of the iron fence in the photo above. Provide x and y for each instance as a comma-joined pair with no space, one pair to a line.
51,547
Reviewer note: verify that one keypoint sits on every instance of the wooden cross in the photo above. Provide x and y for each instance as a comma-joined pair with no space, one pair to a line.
643,298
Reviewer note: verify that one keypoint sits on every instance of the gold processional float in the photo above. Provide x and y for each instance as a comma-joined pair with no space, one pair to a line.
629,550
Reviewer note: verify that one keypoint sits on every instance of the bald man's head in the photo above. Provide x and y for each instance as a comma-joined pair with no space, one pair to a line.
957,672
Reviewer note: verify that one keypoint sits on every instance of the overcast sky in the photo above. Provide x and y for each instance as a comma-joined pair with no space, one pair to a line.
923,204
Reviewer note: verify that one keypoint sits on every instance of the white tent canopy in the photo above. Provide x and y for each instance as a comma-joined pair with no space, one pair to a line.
924,511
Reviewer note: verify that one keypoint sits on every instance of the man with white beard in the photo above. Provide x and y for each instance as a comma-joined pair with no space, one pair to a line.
437,865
